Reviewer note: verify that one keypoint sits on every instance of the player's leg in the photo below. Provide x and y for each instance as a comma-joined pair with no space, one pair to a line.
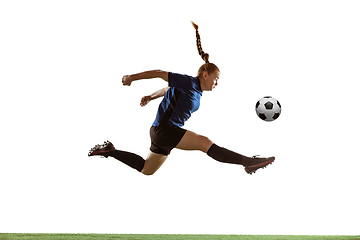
193,141
128,158
148,167
153,162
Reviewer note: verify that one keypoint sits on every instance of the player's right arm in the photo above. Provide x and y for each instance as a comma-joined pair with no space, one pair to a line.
128,79
146,99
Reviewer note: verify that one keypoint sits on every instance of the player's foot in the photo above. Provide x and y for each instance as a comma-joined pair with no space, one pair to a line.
258,163
102,150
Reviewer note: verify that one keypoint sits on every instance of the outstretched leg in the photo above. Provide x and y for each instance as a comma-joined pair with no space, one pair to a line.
193,141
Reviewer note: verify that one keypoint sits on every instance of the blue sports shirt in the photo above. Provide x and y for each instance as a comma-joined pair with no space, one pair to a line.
180,101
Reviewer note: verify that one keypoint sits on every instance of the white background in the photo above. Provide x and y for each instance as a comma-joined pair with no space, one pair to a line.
61,93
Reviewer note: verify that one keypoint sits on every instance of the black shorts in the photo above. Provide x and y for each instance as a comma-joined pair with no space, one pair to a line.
165,138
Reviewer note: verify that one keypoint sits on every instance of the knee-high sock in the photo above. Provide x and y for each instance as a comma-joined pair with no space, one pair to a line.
130,159
224,155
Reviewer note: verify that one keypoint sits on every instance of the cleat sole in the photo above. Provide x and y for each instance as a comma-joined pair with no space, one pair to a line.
252,169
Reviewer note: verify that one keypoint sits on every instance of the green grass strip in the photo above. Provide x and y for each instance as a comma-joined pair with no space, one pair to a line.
46,236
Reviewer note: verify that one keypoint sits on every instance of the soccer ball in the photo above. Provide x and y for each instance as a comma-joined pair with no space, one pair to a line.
268,109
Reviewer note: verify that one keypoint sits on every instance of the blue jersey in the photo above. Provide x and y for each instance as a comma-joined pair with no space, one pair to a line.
180,101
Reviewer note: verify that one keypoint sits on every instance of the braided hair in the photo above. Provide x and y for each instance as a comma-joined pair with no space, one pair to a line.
204,56
207,67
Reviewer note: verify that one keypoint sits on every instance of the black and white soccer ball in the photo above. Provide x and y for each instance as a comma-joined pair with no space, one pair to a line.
268,109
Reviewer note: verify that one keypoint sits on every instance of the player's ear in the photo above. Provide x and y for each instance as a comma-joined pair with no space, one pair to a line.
205,74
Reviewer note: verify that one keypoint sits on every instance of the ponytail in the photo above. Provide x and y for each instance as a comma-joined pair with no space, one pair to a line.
207,67
204,56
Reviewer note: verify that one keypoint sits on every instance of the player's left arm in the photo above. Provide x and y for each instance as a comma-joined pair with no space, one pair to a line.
160,93
128,79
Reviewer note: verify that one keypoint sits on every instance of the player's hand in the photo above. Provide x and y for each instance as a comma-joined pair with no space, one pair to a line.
145,100
126,80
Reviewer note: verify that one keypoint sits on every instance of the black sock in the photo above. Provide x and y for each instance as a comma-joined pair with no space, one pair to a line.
130,159
226,156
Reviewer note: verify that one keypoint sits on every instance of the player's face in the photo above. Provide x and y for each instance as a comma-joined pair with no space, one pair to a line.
211,81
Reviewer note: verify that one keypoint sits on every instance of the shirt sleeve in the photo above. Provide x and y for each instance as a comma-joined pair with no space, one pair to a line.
181,82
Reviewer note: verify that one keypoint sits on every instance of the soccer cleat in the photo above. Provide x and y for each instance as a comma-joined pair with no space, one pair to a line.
102,150
259,163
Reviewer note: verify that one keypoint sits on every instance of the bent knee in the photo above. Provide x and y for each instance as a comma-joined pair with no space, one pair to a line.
148,173
205,143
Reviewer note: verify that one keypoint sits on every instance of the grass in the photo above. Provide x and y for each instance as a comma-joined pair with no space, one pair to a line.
46,236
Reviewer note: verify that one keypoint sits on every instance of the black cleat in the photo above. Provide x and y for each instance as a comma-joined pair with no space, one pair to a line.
259,163
102,150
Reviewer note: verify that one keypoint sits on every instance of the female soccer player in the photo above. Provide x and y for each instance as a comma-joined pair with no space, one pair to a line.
181,99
